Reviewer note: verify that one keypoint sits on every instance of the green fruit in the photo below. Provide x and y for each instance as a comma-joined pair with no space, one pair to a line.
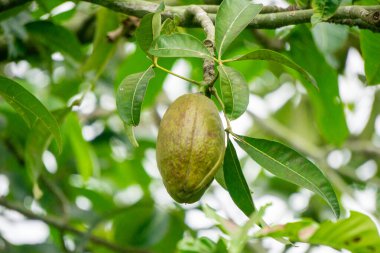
190,147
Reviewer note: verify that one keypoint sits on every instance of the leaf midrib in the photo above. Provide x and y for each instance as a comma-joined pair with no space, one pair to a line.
134,94
295,172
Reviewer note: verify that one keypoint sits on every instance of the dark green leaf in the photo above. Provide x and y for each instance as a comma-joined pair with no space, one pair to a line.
323,9
130,96
370,46
326,102
56,37
29,107
232,17
235,92
235,181
144,33
358,233
179,45
289,165
269,55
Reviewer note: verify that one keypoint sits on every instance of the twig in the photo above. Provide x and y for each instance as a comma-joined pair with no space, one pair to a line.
57,223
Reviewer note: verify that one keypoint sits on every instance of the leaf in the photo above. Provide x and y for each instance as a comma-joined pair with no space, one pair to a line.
169,27
148,30
37,142
56,37
131,135
323,9
84,157
326,103
235,181
179,45
29,107
240,239
130,96
232,17
358,233
370,46
270,55
289,165
106,21
235,92
226,226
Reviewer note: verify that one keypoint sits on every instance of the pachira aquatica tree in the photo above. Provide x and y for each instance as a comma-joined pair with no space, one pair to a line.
189,126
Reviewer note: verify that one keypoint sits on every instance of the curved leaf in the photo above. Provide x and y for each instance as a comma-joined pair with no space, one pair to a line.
235,92
29,107
232,17
289,165
148,30
179,45
235,181
269,55
130,96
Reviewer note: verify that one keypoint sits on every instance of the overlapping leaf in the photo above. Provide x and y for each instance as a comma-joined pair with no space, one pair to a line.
29,107
235,92
289,165
232,17
357,233
179,45
324,9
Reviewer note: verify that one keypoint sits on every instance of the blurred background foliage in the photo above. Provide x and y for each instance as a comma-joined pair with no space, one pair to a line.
102,195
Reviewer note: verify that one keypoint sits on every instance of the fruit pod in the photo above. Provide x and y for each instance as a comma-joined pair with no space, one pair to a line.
190,147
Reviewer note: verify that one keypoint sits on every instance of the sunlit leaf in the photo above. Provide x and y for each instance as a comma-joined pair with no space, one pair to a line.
29,107
179,45
357,233
232,17
235,92
370,46
289,165
106,21
270,55
323,9
148,30
235,181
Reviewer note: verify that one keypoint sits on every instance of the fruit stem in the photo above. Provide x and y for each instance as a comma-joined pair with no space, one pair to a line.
215,94
179,76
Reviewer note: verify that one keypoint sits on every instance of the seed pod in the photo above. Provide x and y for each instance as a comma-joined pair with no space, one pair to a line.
190,147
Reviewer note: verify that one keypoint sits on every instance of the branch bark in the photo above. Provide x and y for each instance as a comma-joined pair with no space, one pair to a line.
55,222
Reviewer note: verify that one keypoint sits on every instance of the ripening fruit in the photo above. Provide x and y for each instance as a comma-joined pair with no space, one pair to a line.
190,147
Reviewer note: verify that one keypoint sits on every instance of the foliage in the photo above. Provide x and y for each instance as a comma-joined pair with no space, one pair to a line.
83,89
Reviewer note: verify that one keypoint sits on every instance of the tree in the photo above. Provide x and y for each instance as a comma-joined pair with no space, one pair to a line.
86,83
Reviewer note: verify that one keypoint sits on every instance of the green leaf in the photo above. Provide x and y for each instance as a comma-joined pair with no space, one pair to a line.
37,142
84,156
131,135
235,92
56,37
130,96
323,9
270,55
149,28
103,51
232,17
225,225
179,45
240,239
289,165
169,27
326,103
370,46
358,233
235,181
29,107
